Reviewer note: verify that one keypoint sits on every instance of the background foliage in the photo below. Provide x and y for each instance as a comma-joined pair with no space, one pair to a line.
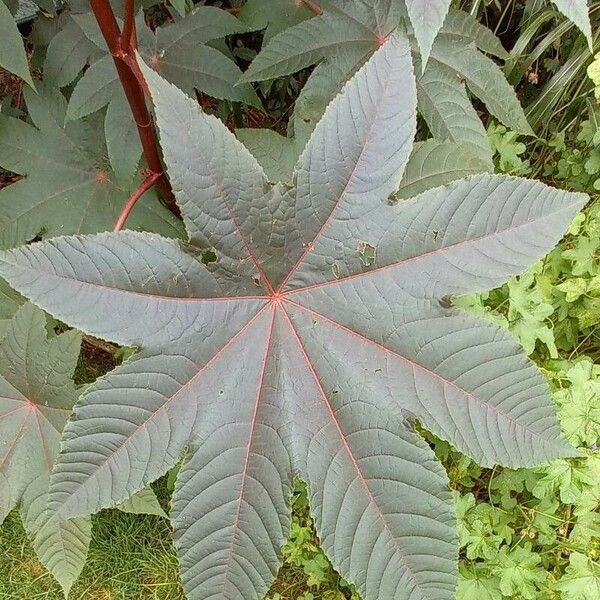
525,534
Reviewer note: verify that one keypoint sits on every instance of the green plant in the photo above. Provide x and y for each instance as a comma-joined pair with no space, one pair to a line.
37,395
450,60
76,157
255,361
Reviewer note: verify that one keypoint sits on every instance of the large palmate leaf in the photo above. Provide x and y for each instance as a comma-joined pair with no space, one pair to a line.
36,398
68,186
312,343
37,395
354,30
178,51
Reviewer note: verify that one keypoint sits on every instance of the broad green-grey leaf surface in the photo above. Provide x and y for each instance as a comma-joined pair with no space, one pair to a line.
277,154
71,191
465,28
12,51
273,16
309,346
37,394
446,108
434,163
354,27
67,54
426,17
484,79
455,58
180,53
577,11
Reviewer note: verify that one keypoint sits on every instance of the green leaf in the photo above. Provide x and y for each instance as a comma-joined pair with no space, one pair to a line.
275,153
343,27
477,584
122,139
577,11
581,580
583,255
180,54
356,29
528,313
485,79
12,52
448,112
579,403
426,17
143,502
507,150
309,346
464,28
521,572
567,478
68,187
179,51
304,44
273,16
36,397
67,55
98,85
434,163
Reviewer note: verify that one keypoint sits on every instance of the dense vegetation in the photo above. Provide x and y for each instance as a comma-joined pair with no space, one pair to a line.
524,534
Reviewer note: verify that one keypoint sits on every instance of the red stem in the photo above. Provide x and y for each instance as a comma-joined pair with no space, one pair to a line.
133,85
135,196
128,34
313,6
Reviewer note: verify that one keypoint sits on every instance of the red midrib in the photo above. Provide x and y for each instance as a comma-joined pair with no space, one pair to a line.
414,365
171,399
371,498
417,257
248,449
192,299
339,199
238,226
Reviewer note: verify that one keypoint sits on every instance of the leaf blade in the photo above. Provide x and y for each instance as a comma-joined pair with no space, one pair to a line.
179,382
577,11
387,128
231,511
526,221
357,502
12,53
52,275
427,18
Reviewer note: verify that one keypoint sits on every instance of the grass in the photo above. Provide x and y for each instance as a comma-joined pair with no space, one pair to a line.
131,558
